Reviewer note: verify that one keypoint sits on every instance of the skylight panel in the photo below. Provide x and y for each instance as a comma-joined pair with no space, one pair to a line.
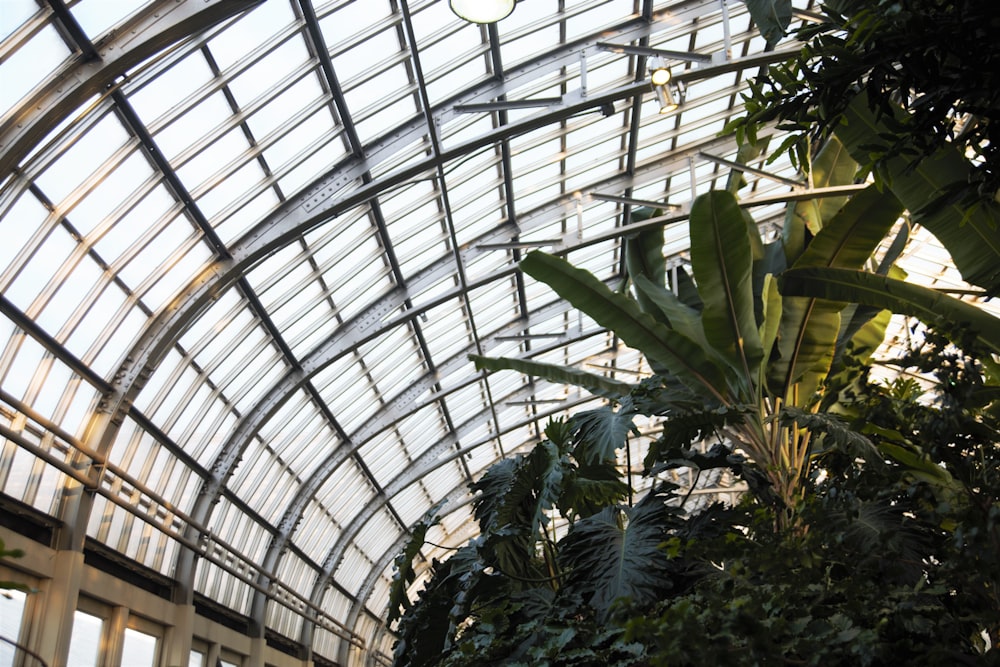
29,65
411,503
95,147
232,45
371,122
421,431
175,91
344,491
346,389
385,456
268,71
122,233
96,17
58,313
181,139
28,291
17,226
378,535
15,14
316,532
446,330
215,163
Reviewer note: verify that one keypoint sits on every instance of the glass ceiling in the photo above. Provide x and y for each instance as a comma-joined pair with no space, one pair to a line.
248,246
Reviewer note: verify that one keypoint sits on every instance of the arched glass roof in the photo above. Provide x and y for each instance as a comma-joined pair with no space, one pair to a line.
248,246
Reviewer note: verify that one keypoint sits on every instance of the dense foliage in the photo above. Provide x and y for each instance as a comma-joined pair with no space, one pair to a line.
937,60
900,563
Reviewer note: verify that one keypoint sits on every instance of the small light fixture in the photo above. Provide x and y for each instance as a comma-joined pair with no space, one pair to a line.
666,98
482,11
660,76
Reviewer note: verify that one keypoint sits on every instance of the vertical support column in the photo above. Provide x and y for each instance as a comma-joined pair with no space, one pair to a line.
257,647
177,638
51,621
213,654
116,636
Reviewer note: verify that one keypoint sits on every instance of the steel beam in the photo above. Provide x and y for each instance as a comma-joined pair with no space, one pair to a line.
157,27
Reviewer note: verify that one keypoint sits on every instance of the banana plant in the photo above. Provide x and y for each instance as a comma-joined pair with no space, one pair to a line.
740,356
970,233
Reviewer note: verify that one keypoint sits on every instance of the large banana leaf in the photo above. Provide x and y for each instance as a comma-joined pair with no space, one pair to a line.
683,357
598,385
644,255
809,328
930,306
723,268
972,236
833,165
681,317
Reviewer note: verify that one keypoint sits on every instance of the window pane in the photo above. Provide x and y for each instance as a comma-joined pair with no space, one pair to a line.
11,611
139,649
197,659
86,640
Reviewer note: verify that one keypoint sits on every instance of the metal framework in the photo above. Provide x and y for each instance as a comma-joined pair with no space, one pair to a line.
248,247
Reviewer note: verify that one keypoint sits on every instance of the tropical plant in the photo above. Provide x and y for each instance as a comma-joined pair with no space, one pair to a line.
732,356
937,60
903,566
908,88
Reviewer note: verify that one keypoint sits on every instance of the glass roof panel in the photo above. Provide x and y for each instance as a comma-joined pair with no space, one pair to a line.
24,68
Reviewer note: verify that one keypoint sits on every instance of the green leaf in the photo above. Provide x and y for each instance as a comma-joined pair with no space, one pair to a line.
602,432
644,256
675,313
589,488
615,554
722,264
616,312
686,290
971,235
772,308
771,16
512,498
833,165
403,574
809,327
930,306
595,384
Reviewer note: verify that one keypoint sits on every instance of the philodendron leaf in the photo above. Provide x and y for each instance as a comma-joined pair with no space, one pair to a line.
771,16
602,432
680,355
616,554
723,267
595,384
404,574
930,306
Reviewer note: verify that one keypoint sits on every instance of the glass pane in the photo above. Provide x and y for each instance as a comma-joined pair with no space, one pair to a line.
197,659
11,611
139,649
86,639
